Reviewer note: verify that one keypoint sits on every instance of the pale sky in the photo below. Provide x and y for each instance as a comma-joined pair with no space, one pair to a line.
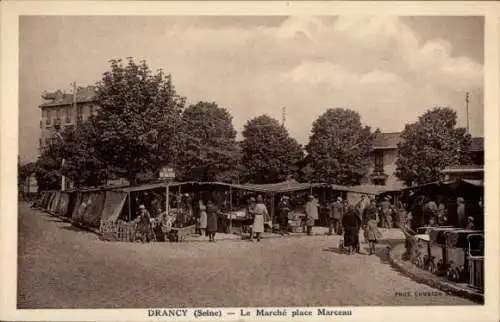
389,69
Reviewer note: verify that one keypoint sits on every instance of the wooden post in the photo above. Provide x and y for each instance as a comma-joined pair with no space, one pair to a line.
167,199
129,208
230,209
272,210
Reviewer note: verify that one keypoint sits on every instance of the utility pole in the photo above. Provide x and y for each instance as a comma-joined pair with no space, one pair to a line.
283,116
467,110
75,107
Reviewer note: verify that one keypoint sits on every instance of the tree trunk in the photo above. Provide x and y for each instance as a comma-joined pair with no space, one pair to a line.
132,178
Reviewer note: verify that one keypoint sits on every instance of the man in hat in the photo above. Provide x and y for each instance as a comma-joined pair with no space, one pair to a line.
461,212
386,210
361,205
311,214
336,214
470,223
144,224
284,210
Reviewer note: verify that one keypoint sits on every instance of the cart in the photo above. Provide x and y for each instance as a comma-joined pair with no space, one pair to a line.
420,251
475,257
457,244
437,261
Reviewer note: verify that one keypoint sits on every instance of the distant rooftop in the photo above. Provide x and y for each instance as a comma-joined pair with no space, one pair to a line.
391,140
58,98
477,144
386,140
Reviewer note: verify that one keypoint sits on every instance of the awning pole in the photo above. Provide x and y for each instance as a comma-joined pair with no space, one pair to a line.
167,202
230,209
129,208
272,210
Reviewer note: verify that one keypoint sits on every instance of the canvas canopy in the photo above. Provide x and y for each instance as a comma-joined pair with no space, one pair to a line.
113,205
62,208
88,210
55,202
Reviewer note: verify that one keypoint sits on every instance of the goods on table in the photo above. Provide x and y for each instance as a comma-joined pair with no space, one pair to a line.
295,222
179,234
238,214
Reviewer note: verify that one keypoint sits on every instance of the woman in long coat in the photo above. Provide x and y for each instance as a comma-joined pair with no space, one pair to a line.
352,224
212,218
260,212
203,218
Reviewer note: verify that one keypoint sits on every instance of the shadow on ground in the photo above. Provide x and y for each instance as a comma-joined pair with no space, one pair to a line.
75,229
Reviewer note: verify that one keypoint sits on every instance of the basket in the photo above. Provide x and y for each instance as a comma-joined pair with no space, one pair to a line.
180,234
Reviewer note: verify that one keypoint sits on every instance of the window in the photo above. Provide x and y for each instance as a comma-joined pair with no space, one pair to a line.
379,161
78,113
69,114
49,118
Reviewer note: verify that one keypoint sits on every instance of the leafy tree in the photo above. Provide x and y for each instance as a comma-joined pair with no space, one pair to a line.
339,148
81,164
25,170
209,151
429,145
138,119
48,166
269,153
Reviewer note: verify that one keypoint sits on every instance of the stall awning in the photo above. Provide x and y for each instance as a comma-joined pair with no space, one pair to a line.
370,189
281,187
476,183
150,186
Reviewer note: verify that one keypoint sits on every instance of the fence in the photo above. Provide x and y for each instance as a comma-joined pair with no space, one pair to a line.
117,231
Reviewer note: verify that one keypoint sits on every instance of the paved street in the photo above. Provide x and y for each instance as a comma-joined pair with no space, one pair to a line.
64,267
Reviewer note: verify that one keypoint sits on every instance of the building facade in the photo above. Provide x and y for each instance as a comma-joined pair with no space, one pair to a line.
383,161
62,110
384,156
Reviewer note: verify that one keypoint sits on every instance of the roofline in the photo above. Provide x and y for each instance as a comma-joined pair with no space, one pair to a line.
389,132
462,170
65,104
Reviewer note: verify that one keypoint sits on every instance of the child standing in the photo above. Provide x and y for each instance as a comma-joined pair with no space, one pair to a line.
372,234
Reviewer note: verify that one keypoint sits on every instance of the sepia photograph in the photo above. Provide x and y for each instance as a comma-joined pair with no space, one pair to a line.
275,166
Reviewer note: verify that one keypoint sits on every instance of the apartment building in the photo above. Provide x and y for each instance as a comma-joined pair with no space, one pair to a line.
383,161
384,155
61,110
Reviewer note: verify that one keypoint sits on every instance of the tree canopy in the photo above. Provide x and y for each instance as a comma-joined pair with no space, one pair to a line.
209,151
48,166
339,148
81,164
269,154
138,119
429,145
